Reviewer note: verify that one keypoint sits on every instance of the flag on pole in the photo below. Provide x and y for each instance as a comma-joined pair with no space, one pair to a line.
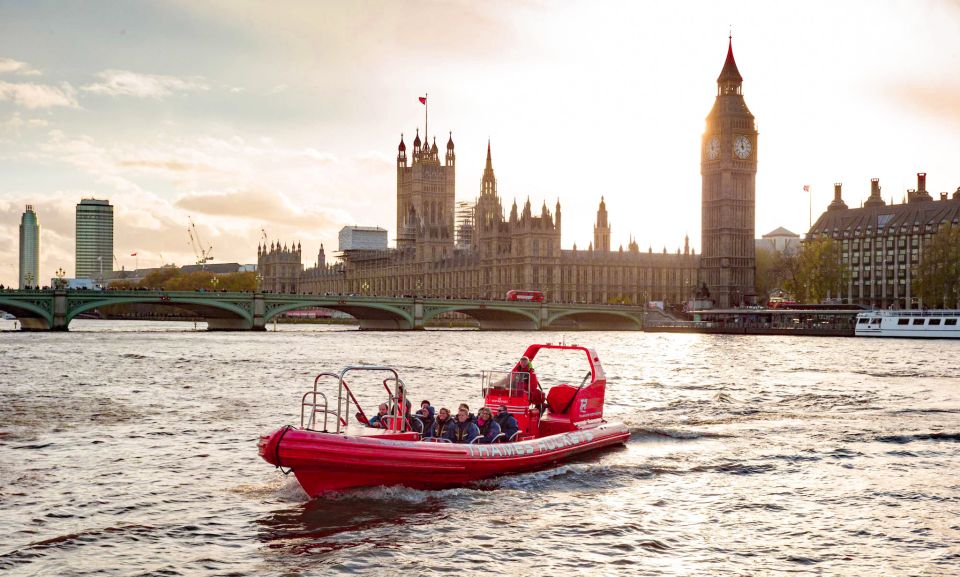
133,254
806,188
423,100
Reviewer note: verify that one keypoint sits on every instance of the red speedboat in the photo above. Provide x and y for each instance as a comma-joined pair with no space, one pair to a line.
329,452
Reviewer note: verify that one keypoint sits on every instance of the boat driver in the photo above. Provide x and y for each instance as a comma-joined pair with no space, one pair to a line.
526,379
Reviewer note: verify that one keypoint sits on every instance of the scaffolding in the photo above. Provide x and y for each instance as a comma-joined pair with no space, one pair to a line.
464,224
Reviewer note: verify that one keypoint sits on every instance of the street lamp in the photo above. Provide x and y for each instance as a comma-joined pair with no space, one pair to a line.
29,279
60,274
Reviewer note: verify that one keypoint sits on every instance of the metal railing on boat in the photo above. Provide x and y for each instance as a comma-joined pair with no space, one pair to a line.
343,404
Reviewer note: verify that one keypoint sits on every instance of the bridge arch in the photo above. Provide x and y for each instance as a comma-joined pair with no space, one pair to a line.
490,316
372,315
598,320
219,314
30,315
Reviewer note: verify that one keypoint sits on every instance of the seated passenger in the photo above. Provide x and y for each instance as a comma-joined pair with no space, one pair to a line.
463,430
377,420
441,425
508,424
488,428
471,416
426,410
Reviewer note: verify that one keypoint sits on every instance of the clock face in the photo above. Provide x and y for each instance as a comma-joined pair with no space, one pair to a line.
742,147
713,149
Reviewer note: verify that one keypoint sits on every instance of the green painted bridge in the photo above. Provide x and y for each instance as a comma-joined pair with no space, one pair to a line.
54,309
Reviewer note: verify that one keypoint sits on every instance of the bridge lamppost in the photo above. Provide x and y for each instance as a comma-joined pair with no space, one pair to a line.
29,279
259,279
60,274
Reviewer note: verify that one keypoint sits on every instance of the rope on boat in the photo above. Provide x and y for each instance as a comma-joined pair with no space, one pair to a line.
276,451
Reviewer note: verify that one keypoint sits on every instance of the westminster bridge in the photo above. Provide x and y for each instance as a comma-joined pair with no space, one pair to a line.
41,310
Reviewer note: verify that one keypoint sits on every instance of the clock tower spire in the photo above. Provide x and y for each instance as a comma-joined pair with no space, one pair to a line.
728,166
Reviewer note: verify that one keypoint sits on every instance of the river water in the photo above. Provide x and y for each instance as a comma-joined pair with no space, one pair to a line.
130,449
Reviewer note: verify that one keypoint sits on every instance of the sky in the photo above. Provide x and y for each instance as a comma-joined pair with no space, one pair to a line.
283,118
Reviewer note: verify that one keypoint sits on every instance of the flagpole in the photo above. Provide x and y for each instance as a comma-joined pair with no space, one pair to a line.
809,207
426,117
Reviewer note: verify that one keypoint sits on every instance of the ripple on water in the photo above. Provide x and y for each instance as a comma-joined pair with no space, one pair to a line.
141,459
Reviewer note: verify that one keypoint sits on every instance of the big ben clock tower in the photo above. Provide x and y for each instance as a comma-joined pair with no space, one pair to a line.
728,165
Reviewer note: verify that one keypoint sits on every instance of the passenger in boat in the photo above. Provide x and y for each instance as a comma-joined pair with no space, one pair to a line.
463,430
471,416
377,420
488,427
441,425
508,424
426,410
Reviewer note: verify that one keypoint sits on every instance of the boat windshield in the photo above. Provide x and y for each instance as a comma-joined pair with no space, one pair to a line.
505,383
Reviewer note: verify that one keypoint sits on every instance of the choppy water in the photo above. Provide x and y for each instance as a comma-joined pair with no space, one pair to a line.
130,449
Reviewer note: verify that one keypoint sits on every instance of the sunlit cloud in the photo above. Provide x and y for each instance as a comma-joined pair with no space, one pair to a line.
33,96
126,83
10,66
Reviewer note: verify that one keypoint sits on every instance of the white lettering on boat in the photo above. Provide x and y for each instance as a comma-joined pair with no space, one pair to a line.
525,448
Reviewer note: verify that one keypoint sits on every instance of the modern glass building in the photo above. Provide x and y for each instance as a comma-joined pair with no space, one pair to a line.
94,239
29,248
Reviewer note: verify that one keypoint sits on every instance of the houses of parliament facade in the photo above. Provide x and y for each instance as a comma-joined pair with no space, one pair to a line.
488,253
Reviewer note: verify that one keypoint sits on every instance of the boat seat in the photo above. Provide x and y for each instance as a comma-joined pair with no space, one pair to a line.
559,397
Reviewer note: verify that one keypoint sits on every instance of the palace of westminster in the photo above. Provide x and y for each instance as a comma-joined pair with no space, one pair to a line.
489,254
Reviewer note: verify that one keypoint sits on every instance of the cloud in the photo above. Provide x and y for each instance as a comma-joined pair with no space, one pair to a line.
16,123
10,66
126,83
32,96
938,101
256,204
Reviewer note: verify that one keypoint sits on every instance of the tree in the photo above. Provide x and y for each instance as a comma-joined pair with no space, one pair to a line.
817,271
937,278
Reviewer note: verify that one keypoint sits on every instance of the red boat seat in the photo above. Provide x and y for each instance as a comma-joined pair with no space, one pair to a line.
559,397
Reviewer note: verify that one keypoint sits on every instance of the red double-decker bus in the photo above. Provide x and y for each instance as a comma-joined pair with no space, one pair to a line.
534,296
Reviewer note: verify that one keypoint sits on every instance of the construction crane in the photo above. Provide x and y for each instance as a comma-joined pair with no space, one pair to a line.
203,256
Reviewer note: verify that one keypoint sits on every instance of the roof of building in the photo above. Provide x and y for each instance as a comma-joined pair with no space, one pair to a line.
780,231
364,228
730,72
888,217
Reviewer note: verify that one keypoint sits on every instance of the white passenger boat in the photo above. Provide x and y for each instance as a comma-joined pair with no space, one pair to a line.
923,324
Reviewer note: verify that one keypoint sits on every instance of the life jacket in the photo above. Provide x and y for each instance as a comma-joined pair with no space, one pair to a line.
440,427
460,430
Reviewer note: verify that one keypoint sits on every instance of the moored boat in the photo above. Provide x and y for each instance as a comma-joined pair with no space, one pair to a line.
331,450
925,324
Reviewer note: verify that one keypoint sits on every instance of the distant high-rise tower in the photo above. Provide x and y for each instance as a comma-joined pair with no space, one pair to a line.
94,239
729,168
29,249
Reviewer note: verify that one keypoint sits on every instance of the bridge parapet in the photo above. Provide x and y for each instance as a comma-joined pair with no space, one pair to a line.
53,310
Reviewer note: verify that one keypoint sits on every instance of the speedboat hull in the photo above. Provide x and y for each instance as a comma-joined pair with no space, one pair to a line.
324,462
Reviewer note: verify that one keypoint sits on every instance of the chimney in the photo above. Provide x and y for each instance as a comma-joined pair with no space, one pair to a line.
837,203
874,199
921,194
